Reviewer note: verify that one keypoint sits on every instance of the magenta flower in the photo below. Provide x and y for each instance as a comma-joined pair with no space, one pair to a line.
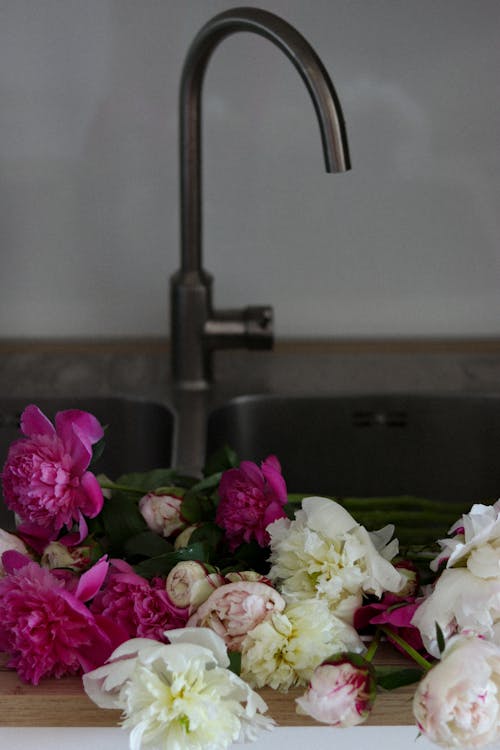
250,499
45,626
342,691
45,478
141,607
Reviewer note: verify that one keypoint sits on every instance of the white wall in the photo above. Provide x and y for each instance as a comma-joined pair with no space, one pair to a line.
405,244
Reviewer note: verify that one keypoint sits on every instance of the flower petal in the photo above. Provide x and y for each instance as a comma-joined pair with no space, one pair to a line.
34,422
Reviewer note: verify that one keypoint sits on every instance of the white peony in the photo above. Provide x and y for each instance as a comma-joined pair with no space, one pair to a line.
459,601
180,695
475,541
324,553
285,649
457,702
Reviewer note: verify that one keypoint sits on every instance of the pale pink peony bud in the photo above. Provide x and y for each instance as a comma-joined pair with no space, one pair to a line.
162,513
189,584
236,608
341,692
235,576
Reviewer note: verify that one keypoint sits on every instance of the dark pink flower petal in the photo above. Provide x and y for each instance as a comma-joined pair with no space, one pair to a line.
94,497
13,560
91,581
78,431
34,422
252,473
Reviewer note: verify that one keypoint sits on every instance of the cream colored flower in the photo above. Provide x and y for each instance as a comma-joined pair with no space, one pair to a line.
475,542
180,695
459,601
457,702
325,554
285,649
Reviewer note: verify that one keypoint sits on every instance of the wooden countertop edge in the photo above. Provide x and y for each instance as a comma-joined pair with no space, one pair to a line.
63,703
158,345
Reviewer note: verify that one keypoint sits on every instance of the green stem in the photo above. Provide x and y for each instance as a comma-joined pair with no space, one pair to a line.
373,646
418,658
107,484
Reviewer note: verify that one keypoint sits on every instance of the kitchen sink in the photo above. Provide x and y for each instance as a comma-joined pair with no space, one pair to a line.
441,447
139,435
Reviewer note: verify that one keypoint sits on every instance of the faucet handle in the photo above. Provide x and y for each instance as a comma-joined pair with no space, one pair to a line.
250,328
259,321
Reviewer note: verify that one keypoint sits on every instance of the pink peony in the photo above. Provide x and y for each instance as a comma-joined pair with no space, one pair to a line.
341,692
250,499
45,478
234,609
141,607
45,627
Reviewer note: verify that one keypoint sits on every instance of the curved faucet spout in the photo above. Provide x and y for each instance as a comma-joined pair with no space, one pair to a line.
192,314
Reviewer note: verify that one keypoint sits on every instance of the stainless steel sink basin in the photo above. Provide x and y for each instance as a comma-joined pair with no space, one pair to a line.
139,434
444,447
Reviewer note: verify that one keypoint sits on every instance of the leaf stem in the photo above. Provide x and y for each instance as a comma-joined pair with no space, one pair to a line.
373,646
107,484
418,658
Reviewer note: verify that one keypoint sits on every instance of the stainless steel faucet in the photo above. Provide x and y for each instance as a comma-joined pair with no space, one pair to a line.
196,328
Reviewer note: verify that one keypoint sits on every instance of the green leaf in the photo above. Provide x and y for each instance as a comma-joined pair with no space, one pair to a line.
235,662
208,483
97,451
147,544
221,460
440,638
148,481
207,532
163,564
390,678
121,520
196,508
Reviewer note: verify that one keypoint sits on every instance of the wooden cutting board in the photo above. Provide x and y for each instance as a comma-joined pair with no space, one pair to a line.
63,703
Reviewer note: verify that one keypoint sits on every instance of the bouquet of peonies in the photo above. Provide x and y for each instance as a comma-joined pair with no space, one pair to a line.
176,598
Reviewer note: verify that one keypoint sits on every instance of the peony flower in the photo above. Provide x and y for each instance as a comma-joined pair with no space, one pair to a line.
10,542
236,608
162,513
141,607
46,628
179,695
285,649
250,499
398,617
341,692
45,478
457,702
324,553
190,583
475,541
459,601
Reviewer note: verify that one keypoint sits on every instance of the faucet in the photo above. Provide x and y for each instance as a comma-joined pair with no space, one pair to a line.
196,328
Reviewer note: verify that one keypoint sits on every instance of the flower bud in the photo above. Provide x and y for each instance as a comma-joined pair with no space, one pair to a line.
183,539
162,513
189,584
57,555
341,692
235,576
